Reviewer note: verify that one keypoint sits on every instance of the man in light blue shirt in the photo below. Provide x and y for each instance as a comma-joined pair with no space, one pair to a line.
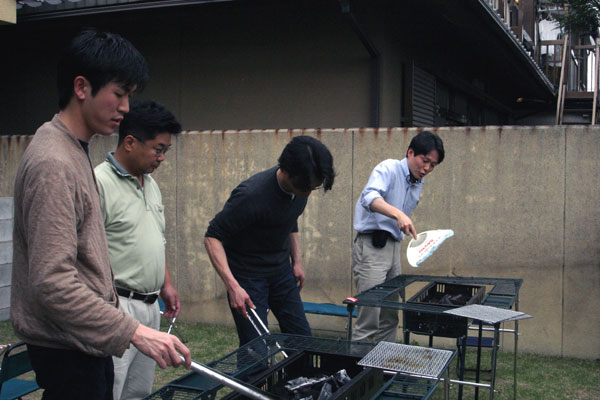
381,220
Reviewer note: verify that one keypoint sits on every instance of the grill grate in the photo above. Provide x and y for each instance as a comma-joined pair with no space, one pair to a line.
412,360
491,315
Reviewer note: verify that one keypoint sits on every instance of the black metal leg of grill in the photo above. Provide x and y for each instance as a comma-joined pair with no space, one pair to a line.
462,360
430,340
494,358
350,303
406,336
350,308
478,359
516,350
447,385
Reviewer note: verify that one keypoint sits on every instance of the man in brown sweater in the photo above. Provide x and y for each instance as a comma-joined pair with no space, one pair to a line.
63,302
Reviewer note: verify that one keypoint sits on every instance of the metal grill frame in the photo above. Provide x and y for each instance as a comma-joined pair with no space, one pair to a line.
504,294
439,324
425,362
504,291
364,382
262,352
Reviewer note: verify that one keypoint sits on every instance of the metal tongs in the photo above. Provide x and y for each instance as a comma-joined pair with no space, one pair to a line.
231,382
264,327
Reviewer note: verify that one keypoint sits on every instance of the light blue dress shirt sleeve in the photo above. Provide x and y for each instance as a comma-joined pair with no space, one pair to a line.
390,180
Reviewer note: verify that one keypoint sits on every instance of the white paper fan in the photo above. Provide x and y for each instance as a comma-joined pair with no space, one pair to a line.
427,242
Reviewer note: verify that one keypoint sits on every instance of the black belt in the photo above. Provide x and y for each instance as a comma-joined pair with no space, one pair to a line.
146,298
390,236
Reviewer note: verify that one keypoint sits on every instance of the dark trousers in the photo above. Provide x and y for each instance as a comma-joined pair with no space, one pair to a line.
279,293
70,374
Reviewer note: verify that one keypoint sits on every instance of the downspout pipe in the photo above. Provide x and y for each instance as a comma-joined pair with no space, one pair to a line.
375,73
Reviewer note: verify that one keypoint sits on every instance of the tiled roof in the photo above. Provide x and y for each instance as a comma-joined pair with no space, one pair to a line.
41,9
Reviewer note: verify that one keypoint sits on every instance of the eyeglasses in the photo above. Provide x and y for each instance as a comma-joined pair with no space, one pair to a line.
157,150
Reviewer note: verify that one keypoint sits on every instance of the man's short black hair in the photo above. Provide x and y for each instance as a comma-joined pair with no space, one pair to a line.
146,119
425,142
307,160
100,57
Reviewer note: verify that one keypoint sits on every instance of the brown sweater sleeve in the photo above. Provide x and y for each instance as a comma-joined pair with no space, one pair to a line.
65,272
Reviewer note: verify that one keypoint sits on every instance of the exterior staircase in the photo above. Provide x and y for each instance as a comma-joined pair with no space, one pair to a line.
577,100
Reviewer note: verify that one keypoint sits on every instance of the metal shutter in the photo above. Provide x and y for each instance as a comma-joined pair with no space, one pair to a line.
423,96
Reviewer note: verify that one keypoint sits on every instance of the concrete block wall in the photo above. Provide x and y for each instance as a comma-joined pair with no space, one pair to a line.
522,202
6,225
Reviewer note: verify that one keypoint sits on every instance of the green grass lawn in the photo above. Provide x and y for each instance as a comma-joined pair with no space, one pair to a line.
539,377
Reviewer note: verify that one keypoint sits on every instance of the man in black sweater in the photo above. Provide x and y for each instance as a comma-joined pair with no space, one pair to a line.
253,241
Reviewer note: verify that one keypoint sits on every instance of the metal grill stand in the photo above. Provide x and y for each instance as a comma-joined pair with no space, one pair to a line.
504,294
409,361
423,368
490,315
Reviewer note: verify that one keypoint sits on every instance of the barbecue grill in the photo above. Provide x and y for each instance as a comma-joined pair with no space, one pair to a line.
260,362
253,359
504,294
444,296
365,382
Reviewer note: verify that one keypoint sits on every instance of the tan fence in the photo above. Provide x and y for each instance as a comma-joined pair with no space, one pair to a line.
522,201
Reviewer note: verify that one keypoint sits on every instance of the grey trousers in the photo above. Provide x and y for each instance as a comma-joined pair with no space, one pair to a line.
372,266
134,372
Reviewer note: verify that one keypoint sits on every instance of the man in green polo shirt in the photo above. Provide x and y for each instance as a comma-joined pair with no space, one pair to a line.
134,221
